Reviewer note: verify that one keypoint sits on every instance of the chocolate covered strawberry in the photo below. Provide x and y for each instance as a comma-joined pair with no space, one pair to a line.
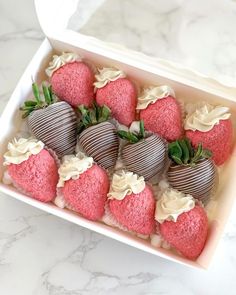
161,112
97,136
118,93
51,121
132,202
192,171
182,223
71,79
32,169
144,154
212,126
84,185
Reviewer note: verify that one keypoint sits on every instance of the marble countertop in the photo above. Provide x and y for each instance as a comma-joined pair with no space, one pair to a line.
41,254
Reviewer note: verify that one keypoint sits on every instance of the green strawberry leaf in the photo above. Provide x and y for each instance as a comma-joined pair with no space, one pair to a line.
46,94
36,93
206,154
129,136
175,151
94,115
142,130
39,103
177,160
185,151
105,114
182,152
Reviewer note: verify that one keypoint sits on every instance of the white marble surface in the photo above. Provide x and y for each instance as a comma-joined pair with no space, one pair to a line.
41,254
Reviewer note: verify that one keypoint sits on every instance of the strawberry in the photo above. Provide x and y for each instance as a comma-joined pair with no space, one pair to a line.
118,93
37,176
188,234
144,155
161,112
135,211
219,140
192,171
87,194
97,136
212,127
54,123
71,79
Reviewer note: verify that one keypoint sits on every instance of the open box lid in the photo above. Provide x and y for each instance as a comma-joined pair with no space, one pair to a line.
55,19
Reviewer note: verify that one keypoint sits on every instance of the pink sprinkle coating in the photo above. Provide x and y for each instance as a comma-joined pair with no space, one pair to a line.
164,118
37,176
120,96
135,211
73,83
87,194
188,234
218,140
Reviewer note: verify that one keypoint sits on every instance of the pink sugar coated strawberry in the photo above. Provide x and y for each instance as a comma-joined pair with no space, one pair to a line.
120,97
135,211
87,194
37,176
218,140
164,118
73,83
188,234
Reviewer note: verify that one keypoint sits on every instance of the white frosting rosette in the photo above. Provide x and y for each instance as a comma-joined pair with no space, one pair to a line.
152,94
203,117
107,75
19,150
73,166
60,60
125,183
171,204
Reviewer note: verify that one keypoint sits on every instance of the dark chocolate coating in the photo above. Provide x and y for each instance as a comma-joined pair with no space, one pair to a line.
56,127
147,157
198,181
102,143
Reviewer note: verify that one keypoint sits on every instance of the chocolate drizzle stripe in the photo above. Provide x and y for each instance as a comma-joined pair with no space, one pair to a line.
94,148
146,158
197,181
101,142
56,127
60,122
39,120
136,158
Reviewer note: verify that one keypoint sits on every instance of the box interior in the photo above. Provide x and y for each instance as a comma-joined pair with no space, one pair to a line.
11,121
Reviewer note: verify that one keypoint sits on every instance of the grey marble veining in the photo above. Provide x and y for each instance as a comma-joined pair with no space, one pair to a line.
43,255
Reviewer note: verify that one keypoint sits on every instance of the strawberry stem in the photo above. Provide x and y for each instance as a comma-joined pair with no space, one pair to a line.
182,152
133,137
39,103
92,116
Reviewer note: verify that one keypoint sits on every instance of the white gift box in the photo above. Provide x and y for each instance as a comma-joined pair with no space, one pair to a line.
189,86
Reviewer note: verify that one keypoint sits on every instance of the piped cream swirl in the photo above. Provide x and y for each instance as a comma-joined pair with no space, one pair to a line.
19,150
171,204
107,75
152,94
60,60
125,183
204,117
73,166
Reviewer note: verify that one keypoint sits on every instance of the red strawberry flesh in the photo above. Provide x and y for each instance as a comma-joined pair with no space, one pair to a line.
218,140
87,194
188,234
164,118
120,97
73,83
135,211
37,176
